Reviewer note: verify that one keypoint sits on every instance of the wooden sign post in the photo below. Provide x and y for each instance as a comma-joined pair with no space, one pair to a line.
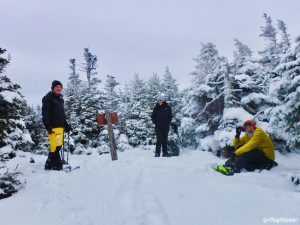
113,148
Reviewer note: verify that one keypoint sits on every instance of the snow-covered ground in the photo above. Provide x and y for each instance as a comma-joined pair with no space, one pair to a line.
139,189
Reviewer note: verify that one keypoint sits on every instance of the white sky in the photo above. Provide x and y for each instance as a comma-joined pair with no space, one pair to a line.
128,36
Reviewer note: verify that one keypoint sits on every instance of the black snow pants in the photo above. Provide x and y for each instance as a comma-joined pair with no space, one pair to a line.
161,141
252,160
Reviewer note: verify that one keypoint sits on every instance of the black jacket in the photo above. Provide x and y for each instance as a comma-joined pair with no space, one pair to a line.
162,116
53,111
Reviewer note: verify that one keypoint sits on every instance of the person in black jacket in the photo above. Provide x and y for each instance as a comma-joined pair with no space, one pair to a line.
161,117
54,120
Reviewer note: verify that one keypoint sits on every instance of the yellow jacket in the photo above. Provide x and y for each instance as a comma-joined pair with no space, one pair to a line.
259,140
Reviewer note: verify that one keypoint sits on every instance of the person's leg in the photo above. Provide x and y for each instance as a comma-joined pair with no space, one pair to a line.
165,143
56,141
158,142
57,163
52,142
230,161
251,161
48,165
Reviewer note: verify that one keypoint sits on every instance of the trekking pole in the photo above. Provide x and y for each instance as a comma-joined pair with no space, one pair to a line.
68,148
63,149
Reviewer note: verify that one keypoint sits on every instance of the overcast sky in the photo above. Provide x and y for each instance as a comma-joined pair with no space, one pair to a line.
128,36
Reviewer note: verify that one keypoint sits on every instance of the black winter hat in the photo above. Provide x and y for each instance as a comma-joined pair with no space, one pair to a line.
54,83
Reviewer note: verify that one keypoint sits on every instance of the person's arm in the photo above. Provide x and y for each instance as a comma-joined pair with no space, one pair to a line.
153,116
237,142
253,143
46,113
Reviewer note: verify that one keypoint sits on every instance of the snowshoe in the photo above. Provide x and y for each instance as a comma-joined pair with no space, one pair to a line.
224,170
69,168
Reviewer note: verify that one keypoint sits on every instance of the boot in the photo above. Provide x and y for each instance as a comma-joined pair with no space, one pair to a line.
166,155
48,164
157,155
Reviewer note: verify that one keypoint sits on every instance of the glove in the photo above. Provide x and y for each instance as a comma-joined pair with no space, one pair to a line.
68,127
49,130
238,131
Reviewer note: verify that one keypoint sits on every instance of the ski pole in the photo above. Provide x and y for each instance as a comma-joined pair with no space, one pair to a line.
63,149
68,148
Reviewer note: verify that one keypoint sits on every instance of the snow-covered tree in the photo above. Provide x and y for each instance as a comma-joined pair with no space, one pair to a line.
269,56
286,116
87,104
285,43
72,91
169,87
204,103
250,89
13,133
154,88
12,104
73,102
34,124
112,97
89,66
139,127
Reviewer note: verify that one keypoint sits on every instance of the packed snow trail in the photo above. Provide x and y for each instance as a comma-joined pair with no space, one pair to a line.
139,189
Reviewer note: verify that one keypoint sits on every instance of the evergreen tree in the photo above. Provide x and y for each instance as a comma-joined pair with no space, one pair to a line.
243,71
13,134
247,80
90,66
139,127
123,109
90,102
269,56
170,88
286,116
34,124
204,102
73,93
285,44
3,61
12,104
112,98
154,88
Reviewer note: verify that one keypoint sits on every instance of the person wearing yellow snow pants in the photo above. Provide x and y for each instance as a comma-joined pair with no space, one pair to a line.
56,138
54,120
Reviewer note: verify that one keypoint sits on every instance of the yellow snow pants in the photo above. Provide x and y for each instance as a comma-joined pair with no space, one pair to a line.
56,138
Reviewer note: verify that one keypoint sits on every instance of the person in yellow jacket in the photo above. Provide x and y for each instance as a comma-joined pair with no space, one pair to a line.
254,150
254,139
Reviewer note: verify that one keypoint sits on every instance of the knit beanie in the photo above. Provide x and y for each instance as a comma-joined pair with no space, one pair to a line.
249,122
161,97
54,83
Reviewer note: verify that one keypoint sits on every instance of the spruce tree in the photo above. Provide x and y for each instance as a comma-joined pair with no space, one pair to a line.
34,124
12,105
170,88
286,116
139,127
204,103
73,103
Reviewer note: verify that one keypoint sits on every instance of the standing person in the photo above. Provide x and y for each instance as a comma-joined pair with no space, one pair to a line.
161,117
54,120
